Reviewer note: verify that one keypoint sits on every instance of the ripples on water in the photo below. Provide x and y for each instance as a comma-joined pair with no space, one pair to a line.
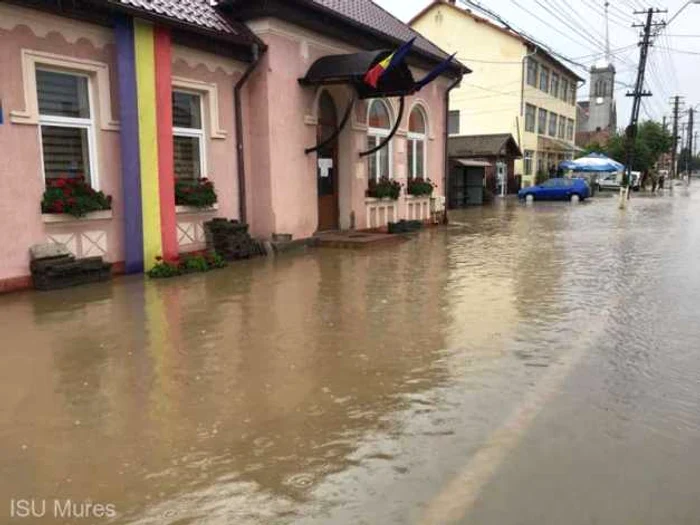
337,387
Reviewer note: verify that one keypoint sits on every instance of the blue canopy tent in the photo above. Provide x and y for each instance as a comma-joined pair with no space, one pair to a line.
593,163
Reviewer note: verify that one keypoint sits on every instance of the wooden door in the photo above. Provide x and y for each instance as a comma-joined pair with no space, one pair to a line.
327,167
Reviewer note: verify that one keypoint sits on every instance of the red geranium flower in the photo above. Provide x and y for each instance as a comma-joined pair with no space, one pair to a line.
59,183
67,192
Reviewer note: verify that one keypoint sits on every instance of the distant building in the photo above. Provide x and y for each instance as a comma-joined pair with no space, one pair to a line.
597,116
516,87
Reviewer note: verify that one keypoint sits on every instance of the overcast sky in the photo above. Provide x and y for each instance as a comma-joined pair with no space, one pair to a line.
670,72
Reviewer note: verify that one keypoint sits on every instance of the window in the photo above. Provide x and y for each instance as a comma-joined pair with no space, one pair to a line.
573,94
453,123
529,154
542,122
562,128
544,79
554,91
570,130
379,127
564,95
188,135
530,112
541,168
532,68
66,125
552,124
416,144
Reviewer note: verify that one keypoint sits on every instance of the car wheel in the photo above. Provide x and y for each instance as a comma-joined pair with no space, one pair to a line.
529,198
575,198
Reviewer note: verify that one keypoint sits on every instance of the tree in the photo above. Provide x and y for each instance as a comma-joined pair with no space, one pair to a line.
652,141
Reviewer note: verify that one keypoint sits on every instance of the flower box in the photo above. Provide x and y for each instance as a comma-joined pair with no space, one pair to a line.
384,188
187,210
197,193
58,218
420,187
73,196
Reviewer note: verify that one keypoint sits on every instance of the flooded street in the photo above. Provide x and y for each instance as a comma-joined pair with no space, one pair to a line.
529,366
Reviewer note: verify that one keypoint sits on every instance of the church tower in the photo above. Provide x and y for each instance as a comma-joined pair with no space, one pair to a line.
602,112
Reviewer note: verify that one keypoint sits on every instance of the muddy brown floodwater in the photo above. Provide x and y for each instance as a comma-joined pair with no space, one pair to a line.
522,366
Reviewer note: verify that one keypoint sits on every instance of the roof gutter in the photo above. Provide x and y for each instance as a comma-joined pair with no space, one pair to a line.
257,52
446,133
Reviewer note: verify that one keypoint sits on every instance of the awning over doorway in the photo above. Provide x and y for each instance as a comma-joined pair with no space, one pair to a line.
497,145
555,145
469,163
351,69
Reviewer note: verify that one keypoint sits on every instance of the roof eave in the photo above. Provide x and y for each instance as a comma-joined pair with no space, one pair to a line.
245,41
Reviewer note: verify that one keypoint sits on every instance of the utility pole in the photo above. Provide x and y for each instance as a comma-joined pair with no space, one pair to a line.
674,148
689,156
638,94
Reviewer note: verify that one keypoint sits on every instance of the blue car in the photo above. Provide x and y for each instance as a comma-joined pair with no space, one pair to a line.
558,190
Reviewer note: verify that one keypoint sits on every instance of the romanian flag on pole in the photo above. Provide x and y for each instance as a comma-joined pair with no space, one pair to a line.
373,76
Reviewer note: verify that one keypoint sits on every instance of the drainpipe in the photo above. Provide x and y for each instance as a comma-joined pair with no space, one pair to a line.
446,177
257,57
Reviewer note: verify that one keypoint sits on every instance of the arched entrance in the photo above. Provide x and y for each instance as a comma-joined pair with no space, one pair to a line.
327,167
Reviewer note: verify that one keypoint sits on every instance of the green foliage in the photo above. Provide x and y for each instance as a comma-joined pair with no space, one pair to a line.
196,263
420,187
193,264
384,188
164,269
198,193
651,143
72,195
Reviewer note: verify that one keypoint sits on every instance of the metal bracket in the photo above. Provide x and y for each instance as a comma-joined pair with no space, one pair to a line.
387,139
334,136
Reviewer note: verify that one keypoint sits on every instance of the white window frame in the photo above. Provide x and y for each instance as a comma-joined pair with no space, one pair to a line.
69,122
535,116
414,139
380,134
195,132
528,159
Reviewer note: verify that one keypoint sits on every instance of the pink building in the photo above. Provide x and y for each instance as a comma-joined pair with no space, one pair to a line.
263,99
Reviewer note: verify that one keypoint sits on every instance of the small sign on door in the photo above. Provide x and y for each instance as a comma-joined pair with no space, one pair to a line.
324,167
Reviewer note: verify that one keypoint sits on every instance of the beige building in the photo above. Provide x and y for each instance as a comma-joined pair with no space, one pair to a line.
516,87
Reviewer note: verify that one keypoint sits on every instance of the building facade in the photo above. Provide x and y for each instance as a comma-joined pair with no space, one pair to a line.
135,99
515,87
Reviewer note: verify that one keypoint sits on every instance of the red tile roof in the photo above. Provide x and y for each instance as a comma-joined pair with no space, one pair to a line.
201,14
374,17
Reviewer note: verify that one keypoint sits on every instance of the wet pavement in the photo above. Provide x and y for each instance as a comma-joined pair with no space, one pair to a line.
524,366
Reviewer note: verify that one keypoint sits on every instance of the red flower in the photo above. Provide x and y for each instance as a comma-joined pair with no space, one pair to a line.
58,207
59,183
67,192
71,201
